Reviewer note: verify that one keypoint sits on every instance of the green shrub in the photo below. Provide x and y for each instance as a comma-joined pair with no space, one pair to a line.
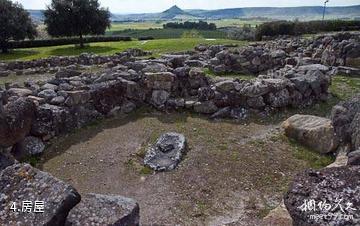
298,28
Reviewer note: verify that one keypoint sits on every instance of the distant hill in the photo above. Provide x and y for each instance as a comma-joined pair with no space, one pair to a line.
285,13
302,13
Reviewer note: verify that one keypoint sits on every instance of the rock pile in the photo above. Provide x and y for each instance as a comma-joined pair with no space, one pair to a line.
62,61
330,50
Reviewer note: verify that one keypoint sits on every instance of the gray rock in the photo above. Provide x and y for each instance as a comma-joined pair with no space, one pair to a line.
20,92
155,68
77,97
49,86
15,121
67,74
167,152
315,132
21,182
28,147
177,103
159,97
354,158
355,132
255,89
57,100
47,94
225,86
256,102
128,107
342,116
160,81
205,94
96,209
279,99
330,186
278,53
4,73
222,113
313,67
52,120
6,160
207,107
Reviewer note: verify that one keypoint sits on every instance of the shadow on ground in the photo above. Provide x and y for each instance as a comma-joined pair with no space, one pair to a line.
75,50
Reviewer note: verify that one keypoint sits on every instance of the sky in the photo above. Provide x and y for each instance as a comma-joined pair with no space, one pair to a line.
148,6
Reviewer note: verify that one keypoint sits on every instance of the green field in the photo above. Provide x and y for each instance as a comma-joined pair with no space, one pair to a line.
235,22
120,26
171,33
107,48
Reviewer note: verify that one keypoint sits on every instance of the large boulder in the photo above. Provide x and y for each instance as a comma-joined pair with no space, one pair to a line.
321,197
314,132
166,153
15,121
20,183
96,209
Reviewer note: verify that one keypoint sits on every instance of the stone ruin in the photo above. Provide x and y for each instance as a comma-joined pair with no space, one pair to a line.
291,73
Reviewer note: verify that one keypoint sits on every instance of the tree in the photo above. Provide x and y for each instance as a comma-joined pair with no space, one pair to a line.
15,24
76,18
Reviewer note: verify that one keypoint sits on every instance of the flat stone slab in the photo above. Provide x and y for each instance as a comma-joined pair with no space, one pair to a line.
21,183
166,153
96,209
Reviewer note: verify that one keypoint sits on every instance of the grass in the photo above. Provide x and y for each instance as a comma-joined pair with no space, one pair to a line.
345,87
146,171
120,26
108,48
168,33
235,22
313,159
32,160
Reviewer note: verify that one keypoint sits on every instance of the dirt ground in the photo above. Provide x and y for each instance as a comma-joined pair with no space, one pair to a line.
234,172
